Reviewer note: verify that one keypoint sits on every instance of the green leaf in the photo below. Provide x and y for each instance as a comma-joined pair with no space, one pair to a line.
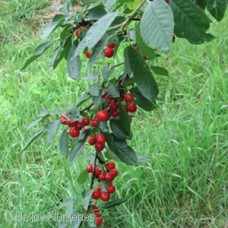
35,122
83,99
95,90
86,199
113,90
57,20
133,4
64,143
121,127
96,31
82,178
141,101
68,204
142,75
157,25
143,159
73,63
39,133
217,8
190,21
52,130
38,52
96,13
113,203
159,70
92,76
126,154
143,47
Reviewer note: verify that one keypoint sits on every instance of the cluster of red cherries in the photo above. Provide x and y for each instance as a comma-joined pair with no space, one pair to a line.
106,173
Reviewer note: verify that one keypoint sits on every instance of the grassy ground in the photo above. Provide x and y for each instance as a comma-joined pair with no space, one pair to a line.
185,138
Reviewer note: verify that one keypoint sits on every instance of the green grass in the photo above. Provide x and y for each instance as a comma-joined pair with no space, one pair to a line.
185,138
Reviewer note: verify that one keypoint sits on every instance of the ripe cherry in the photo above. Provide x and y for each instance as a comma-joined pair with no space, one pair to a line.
128,97
108,177
111,188
131,107
74,132
100,138
110,165
167,1
90,168
88,54
114,114
102,176
109,52
98,221
78,32
114,172
92,140
70,123
86,121
105,196
113,105
79,125
96,193
102,115
111,45
97,172
63,119
94,123
99,147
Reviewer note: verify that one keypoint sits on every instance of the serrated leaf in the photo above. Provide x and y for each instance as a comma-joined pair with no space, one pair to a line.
57,20
113,203
143,47
96,31
83,176
121,127
86,199
157,25
39,133
142,75
126,154
190,21
64,143
38,52
52,130
217,8
73,63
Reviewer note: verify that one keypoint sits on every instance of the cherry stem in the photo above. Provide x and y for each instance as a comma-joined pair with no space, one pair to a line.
87,108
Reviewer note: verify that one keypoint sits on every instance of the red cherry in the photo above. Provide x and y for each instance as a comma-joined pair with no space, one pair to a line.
111,45
95,208
74,133
114,114
100,138
105,196
109,52
86,121
63,119
88,54
92,140
167,1
110,165
99,147
102,176
131,107
90,168
102,115
128,97
114,172
77,32
97,172
79,125
111,188
113,105
98,221
108,177
96,193
94,123
70,123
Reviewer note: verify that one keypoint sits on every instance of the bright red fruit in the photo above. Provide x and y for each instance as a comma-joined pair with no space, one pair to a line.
110,165
94,123
105,196
111,45
96,193
108,177
100,138
88,54
109,52
70,123
92,140
74,132
114,172
97,172
102,176
86,121
113,105
63,119
99,147
102,115
90,168
98,221
77,32
128,97
131,107
79,125
111,188
114,114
